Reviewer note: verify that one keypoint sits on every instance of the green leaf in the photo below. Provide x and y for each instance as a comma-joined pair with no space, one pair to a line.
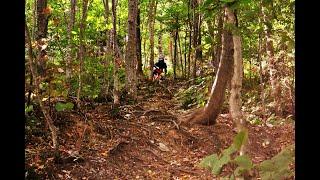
240,139
278,166
244,164
64,106
74,32
28,109
244,161
208,161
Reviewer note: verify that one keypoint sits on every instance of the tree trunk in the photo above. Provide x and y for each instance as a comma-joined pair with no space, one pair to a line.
261,78
116,57
160,41
210,25
175,54
131,50
180,54
70,46
108,53
151,19
195,36
43,15
82,46
275,87
185,54
139,58
36,82
190,39
236,80
218,48
171,49
209,113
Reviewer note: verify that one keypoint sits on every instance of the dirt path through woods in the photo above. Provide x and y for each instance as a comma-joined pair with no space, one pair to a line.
143,141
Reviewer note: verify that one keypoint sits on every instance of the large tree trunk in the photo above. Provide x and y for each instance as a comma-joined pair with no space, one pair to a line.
70,46
139,58
151,19
236,80
82,46
36,82
131,50
116,57
273,72
218,48
209,113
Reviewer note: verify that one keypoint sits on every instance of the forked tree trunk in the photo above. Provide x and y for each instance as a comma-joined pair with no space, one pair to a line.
36,82
116,57
82,46
208,114
151,19
131,50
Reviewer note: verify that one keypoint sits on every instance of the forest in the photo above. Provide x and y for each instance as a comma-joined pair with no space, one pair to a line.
160,89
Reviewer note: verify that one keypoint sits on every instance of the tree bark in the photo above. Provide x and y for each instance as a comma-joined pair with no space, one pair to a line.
151,19
70,46
131,50
180,53
108,52
139,58
116,57
208,114
82,46
43,14
190,39
195,37
175,54
236,80
218,48
36,82
273,72
160,41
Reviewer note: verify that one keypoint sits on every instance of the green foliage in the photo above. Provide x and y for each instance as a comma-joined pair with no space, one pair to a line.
28,109
216,162
240,139
278,166
195,95
275,168
64,106
244,164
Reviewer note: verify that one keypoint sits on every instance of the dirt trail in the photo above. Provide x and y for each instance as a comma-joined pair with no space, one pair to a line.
143,141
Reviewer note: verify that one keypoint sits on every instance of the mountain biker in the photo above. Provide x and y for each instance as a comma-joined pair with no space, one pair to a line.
159,66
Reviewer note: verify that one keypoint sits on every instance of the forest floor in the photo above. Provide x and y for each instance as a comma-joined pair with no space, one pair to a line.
142,141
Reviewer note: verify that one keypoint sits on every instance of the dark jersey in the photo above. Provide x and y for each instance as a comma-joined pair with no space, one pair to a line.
162,65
